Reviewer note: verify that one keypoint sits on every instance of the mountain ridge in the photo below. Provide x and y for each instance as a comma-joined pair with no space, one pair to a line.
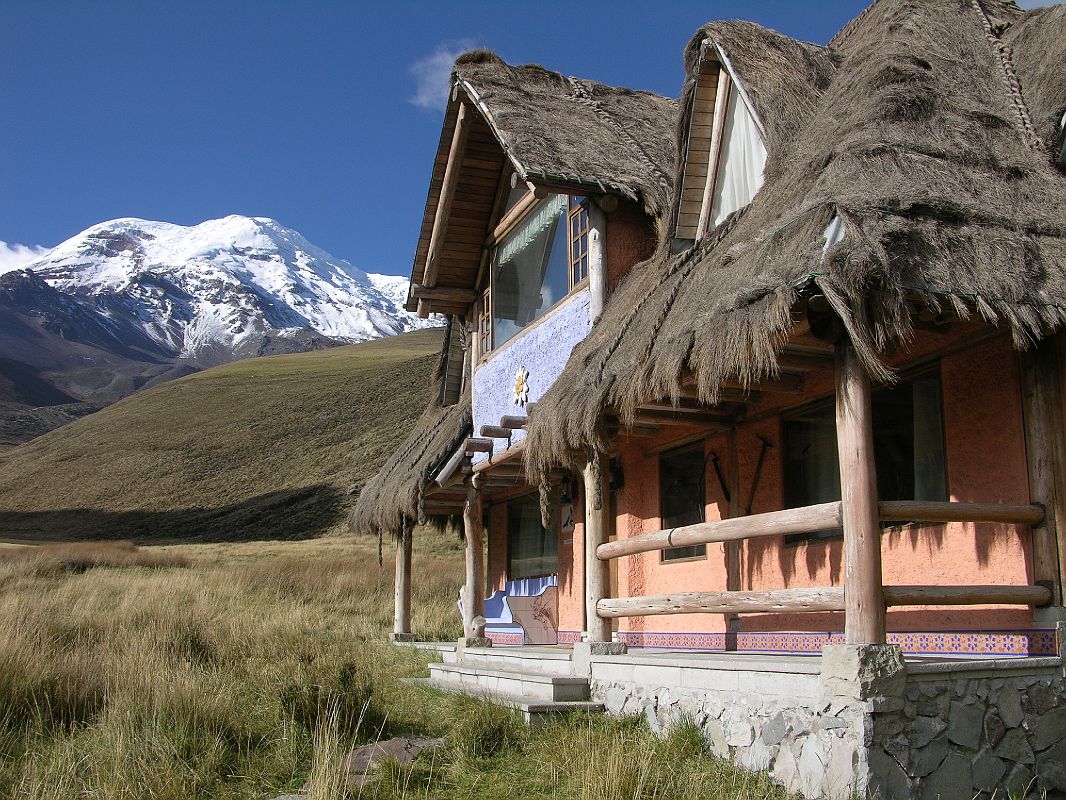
129,303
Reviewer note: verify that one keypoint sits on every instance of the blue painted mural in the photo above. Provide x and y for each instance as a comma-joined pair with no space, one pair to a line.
543,350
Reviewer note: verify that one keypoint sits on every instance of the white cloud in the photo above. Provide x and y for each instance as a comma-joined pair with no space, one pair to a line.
432,74
13,256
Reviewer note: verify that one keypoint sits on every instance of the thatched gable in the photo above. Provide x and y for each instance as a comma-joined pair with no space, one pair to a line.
919,146
566,131
561,133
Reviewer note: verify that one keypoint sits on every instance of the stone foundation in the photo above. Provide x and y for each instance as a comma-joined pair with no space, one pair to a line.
859,721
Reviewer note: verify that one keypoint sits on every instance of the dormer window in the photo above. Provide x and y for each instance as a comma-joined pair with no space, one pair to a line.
538,262
725,155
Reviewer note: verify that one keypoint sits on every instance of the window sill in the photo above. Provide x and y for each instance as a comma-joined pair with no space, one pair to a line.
669,561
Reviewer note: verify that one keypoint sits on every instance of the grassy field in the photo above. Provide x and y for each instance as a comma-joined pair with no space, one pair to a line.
259,449
239,670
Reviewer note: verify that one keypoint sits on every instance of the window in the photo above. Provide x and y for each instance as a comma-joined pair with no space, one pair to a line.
724,154
908,449
681,496
538,263
579,243
532,551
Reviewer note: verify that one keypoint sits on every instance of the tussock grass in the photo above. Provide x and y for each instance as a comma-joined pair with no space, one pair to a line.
81,556
246,670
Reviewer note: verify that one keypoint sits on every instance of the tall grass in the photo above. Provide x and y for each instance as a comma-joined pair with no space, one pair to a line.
247,670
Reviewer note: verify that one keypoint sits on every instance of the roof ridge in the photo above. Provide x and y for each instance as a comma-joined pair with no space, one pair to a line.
1009,76
582,95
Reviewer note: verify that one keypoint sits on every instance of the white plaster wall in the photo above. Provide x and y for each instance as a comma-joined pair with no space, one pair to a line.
542,349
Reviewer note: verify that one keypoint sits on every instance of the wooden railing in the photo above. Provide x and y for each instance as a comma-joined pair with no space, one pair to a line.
810,519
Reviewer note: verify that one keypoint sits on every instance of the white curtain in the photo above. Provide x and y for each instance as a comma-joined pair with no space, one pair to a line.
543,217
741,162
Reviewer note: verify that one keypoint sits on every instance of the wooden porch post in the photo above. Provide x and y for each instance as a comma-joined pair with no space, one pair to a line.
864,604
401,620
597,527
473,590
1045,451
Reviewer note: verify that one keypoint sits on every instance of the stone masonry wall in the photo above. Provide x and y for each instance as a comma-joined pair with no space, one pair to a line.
809,745
959,736
866,726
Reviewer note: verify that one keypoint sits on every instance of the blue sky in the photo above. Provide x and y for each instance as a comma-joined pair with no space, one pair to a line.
323,115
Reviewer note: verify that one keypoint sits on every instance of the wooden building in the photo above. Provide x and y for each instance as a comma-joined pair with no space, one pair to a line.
768,369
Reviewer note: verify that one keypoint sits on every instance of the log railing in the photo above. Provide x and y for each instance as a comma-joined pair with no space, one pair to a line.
810,519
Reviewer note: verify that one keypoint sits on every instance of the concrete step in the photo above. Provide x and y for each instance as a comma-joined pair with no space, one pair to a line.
524,659
519,683
533,710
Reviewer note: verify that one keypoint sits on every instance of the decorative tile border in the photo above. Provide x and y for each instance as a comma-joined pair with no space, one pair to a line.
985,643
569,637
505,639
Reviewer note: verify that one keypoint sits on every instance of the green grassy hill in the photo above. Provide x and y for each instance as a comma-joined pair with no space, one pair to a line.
264,448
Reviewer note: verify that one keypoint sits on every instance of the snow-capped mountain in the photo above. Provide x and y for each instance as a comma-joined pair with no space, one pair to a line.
224,289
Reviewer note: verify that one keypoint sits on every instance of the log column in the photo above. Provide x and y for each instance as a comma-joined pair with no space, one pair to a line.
597,528
401,619
1045,451
473,590
864,604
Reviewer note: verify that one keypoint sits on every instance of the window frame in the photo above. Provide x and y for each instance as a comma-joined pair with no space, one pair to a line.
535,499
683,449
577,210
908,376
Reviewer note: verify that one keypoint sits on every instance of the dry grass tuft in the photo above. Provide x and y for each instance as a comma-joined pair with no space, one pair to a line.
81,556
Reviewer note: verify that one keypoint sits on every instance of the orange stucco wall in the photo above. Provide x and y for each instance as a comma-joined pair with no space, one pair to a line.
630,238
985,457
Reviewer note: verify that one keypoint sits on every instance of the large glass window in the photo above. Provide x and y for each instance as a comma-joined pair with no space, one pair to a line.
681,496
532,550
908,449
537,264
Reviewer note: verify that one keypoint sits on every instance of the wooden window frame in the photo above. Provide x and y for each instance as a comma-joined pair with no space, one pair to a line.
701,446
577,213
908,376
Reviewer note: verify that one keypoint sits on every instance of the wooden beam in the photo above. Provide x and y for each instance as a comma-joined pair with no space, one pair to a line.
733,550
597,260
769,601
450,466
478,444
511,453
721,103
805,360
514,423
930,511
446,294
444,202
1045,452
967,595
864,621
510,219
784,383
596,480
636,430
473,534
711,419
807,519
401,619
495,432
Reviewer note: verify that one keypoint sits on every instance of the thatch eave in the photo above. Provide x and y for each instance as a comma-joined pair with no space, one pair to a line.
918,147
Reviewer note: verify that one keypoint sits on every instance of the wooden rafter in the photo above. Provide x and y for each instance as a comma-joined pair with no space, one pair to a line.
447,194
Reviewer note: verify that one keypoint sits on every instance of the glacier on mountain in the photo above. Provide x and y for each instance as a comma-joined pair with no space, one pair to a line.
219,290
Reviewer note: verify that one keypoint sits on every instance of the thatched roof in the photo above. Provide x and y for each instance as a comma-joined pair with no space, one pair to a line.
393,497
913,129
561,130
562,133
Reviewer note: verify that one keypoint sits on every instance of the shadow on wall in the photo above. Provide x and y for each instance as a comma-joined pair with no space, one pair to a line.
292,514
